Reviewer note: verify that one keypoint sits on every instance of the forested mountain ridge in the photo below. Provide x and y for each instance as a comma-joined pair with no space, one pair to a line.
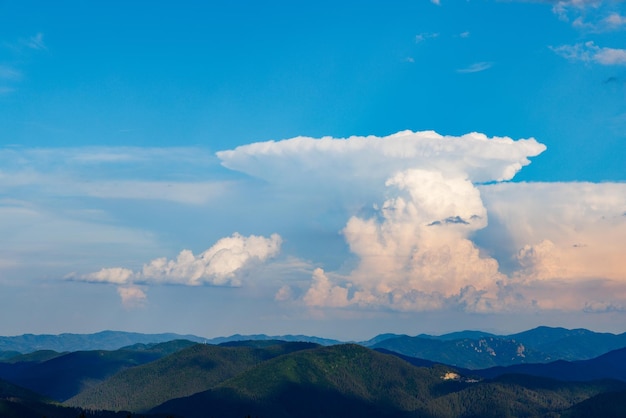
350,380
184,373
477,350
272,378
62,376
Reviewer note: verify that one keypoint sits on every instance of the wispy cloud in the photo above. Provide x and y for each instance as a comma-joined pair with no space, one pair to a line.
96,172
590,15
476,67
10,76
34,42
9,73
590,52
615,20
424,36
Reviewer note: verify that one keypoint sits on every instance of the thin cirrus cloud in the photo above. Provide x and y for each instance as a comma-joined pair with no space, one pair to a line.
435,194
8,73
35,42
91,172
476,67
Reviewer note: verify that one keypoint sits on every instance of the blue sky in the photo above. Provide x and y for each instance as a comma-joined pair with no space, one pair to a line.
311,167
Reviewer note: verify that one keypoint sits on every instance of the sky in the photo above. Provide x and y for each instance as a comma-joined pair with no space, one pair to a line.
336,169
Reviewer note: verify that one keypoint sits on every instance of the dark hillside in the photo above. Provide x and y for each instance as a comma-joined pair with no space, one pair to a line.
611,365
350,380
184,373
605,405
344,380
64,376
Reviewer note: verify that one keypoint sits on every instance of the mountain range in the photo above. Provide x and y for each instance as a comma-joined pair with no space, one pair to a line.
265,377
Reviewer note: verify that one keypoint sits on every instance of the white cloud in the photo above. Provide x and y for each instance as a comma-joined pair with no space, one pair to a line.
590,15
562,7
415,254
615,20
117,275
589,52
132,296
429,242
219,265
424,36
323,292
476,67
368,161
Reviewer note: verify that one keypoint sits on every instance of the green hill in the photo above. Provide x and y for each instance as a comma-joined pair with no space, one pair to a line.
344,380
64,376
350,380
184,373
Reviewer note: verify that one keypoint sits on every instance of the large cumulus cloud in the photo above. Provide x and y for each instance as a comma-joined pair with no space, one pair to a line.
416,252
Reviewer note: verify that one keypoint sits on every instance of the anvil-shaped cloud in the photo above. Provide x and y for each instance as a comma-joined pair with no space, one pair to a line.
416,253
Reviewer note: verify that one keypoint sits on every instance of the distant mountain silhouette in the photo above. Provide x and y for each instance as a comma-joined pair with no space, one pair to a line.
478,350
66,375
105,340
611,365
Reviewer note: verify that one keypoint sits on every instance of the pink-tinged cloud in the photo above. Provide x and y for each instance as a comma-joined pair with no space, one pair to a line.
132,296
416,253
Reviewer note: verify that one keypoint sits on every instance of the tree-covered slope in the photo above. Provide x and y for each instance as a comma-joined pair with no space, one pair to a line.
350,380
478,350
467,353
184,373
611,365
64,376
344,380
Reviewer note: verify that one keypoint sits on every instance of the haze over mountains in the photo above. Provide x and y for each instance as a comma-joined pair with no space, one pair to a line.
541,372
